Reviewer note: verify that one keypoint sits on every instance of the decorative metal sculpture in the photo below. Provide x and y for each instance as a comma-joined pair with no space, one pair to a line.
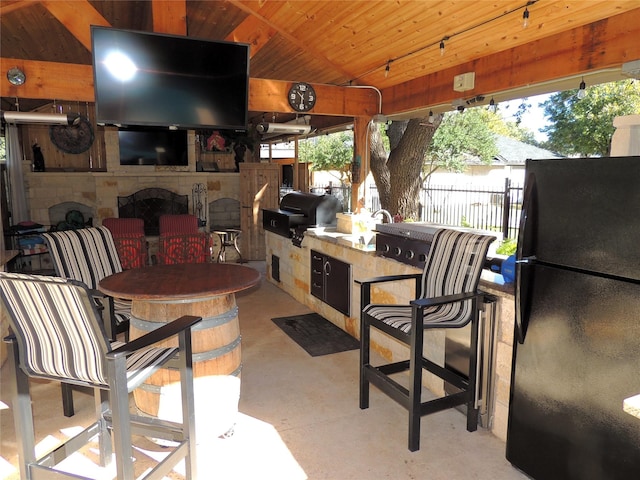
199,201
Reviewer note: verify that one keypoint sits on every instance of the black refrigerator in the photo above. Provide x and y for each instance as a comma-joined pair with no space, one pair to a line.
577,338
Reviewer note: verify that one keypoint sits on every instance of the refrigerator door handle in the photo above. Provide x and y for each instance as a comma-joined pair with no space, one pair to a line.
524,263
527,260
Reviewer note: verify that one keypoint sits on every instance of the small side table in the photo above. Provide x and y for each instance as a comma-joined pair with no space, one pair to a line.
228,238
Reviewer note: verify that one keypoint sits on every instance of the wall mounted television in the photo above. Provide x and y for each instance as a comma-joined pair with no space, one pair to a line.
154,79
152,146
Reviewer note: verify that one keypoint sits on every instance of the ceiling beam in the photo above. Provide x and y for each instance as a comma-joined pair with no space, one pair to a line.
169,16
49,81
77,17
72,82
252,31
605,44
272,96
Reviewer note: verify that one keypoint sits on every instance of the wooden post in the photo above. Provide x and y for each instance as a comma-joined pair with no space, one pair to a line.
360,163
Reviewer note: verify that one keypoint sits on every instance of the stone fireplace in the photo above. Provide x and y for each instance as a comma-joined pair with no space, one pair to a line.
224,213
150,204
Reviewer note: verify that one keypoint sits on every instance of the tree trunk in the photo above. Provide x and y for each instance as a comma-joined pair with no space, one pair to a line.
399,177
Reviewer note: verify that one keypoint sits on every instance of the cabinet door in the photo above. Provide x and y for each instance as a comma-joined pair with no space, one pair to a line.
259,188
337,284
317,275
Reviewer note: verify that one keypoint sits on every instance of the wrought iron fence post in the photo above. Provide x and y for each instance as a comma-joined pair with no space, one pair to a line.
506,208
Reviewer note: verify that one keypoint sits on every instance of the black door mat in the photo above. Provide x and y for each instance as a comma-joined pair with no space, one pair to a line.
316,334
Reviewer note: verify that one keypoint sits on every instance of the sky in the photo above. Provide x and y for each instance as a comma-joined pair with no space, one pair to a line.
534,119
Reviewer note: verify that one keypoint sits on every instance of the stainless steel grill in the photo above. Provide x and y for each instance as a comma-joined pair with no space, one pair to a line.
299,211
410,242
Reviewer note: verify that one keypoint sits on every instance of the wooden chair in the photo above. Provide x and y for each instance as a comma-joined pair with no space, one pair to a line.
130,241
446,296
59,335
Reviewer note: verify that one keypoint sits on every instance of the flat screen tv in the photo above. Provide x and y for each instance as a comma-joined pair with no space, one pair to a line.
153,79
153,146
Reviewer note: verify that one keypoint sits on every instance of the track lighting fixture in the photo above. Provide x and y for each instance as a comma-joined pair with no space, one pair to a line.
431,117
581,90
442,47
387,68
492,105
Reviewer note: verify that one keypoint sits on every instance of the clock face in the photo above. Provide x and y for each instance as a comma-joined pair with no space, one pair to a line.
16,76
302,97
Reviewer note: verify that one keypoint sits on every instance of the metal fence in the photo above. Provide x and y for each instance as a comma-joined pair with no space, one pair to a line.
481,207
476,206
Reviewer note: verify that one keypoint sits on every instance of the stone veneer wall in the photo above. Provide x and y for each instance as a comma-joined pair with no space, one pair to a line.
294,264
100,190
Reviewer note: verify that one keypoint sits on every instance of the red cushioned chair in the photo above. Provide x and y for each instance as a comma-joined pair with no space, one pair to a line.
177,224
180,240
184,248
131,243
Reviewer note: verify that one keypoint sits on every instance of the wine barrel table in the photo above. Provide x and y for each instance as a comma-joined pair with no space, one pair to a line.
162,293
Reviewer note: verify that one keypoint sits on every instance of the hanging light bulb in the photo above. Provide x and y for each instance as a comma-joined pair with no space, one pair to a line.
582,90
492,105
431,117
387,68
442,47
525,18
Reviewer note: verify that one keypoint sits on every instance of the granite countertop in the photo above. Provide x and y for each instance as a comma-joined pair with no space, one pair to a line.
349,240
355,242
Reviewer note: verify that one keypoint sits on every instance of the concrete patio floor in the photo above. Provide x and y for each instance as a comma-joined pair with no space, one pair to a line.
298,419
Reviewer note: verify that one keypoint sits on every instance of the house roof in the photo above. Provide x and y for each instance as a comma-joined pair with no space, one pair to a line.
512,152
515,152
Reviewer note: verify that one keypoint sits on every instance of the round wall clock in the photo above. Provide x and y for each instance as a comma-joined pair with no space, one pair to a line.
302,97
16,76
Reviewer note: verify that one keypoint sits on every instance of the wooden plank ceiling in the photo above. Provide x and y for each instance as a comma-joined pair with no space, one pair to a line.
384,44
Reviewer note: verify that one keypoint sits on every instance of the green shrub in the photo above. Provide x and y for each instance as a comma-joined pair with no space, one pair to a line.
507,247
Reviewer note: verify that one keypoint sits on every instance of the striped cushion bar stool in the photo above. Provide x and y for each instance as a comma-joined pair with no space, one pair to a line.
88,255
57,334
446,297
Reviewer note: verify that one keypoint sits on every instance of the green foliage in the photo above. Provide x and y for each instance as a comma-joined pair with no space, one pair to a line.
507,247
328,152
585,126
460,135
512,130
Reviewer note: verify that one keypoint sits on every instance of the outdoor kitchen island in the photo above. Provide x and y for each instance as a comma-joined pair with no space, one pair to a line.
290,268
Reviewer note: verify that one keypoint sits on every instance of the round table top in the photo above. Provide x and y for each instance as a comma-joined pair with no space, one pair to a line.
185,280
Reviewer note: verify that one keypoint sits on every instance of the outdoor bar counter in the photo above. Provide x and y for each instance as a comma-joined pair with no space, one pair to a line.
292,268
